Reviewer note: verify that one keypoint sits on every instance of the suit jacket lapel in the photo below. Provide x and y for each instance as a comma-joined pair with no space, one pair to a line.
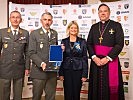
68,41
52,36
42,34
20,34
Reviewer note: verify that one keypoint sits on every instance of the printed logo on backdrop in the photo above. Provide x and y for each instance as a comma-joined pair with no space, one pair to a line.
79,17
33,13
124,12
46,10
119,6
118,12
84,22
30,23
51,6
55,12
125,89
126,64
74,11
93,21
118,18
16,8
93,10
126,31
126,37
126,6
123,53
84,11
64,11
55,23
125,18
127,77
36,23
64,22
125,83
22,9
126,42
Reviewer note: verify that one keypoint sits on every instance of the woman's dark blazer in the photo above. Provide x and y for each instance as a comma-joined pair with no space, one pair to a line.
75,59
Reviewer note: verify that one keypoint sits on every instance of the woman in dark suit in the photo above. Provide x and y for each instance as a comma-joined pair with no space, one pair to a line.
74,68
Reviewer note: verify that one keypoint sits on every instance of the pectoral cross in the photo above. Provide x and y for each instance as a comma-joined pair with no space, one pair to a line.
100,39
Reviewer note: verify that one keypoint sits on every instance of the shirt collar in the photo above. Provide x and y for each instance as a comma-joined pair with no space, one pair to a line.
12,29
45,30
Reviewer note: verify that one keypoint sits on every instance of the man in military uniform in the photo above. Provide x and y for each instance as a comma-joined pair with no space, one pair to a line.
14,62
39,43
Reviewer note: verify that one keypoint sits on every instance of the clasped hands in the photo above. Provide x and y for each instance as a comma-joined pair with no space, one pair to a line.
100,61
83,79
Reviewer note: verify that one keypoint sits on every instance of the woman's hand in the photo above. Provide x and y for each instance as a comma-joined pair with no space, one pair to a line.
61,78
62,47
83,79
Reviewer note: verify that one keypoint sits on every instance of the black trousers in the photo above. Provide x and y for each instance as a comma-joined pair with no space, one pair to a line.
5,89
72,84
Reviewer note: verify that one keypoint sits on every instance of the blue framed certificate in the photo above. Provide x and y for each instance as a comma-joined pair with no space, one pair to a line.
55,53
55,58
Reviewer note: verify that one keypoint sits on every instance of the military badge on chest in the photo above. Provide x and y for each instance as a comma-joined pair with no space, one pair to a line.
5,45
41,45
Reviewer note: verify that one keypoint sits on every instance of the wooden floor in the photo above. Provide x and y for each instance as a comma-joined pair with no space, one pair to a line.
57,98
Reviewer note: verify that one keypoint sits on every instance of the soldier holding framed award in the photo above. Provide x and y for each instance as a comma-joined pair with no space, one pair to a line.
39,46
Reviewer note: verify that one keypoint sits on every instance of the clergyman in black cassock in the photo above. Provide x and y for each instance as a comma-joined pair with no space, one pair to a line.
105,42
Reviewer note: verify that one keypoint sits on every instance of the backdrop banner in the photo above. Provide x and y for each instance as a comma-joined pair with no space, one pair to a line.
85,15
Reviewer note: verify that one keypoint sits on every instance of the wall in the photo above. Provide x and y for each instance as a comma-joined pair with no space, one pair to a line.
3,13
131,51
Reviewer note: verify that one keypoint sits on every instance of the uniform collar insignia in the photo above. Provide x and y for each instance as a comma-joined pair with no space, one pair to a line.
52,32
20,31
9,30
41,32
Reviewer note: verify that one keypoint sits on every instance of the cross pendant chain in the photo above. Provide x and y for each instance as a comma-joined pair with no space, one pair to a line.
102,32
100,39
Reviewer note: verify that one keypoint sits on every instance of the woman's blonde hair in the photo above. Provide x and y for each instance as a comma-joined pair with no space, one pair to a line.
69,25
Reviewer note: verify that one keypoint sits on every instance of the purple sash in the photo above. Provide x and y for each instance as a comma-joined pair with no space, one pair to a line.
113,71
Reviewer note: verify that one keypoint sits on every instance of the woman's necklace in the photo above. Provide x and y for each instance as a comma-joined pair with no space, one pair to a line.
102,32
71,45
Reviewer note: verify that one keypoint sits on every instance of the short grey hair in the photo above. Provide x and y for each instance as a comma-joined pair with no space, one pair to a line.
47,13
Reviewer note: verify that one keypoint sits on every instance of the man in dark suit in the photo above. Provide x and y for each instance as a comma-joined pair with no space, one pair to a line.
14,62
39,43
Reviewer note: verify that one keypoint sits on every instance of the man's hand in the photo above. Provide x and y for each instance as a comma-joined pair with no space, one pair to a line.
43,66
27,72
97,61
104,60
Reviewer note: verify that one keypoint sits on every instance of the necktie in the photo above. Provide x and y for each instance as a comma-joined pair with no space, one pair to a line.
15,34
47,33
